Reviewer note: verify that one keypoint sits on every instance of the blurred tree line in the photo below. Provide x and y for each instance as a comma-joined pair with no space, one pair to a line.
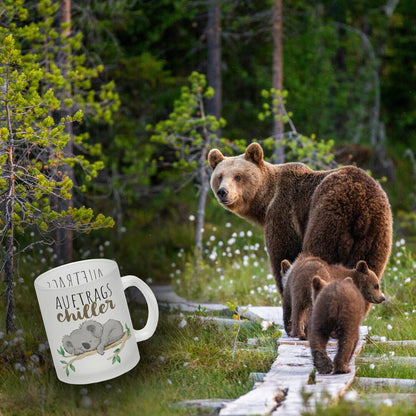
348,67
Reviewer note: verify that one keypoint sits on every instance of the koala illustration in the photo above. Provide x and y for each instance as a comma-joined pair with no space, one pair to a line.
91,335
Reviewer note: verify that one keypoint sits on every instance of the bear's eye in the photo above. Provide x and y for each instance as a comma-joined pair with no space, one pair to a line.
220,178
376,287
237,178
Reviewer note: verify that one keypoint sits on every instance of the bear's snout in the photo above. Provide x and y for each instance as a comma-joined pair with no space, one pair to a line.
86,345
222,194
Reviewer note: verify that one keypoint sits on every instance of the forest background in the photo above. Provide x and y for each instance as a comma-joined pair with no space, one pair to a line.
348,69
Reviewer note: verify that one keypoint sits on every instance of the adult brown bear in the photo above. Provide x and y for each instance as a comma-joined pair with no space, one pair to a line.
340,215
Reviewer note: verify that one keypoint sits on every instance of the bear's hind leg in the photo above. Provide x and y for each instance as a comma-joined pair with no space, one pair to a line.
346,347
321,360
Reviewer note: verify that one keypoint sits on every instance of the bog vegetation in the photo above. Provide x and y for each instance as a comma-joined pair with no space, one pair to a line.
106,118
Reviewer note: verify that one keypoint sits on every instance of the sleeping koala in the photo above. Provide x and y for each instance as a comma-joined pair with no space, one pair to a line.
92,335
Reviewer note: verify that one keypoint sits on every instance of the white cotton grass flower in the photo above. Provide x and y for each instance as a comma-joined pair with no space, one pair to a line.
192,218
351,396
372,366
182,324
389,327
265,325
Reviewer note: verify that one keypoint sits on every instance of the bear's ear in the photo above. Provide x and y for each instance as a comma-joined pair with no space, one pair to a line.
215,157
318,283
284,267
362,267
254,154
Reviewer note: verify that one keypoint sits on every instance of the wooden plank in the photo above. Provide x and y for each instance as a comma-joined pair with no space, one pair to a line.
387,360
290,373
264,313
368,382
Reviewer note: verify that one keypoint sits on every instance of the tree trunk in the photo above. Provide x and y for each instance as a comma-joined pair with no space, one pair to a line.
200,216
9,278
9,220
277,80
214,57
64,246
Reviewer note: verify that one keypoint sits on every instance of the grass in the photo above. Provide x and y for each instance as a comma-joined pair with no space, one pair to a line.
189,358
198,360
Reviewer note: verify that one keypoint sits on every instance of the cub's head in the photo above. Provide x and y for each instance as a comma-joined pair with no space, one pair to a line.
317,285
367,282
236,180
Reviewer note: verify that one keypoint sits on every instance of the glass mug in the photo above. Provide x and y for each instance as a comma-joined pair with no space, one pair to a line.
87,320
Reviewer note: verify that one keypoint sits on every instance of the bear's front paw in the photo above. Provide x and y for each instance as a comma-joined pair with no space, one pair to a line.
322,363
100,349
342,370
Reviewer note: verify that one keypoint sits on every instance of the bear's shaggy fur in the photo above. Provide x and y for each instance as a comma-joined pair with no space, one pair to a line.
340,215
338,310
297,287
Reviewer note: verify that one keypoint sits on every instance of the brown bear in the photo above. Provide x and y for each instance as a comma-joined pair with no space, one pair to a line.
338,309
297,287
340,215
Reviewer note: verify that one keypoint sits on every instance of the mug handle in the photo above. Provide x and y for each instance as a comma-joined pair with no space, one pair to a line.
153,309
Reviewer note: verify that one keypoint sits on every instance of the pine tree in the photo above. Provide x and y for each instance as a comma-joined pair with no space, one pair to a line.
32,161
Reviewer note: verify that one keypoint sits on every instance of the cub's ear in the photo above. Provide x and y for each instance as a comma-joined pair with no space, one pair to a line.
318,283
284,267
362,267
254,154
215,157
349,280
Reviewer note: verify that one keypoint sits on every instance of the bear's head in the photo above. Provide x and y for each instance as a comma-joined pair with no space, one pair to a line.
236,180
317,285
367,282
86,338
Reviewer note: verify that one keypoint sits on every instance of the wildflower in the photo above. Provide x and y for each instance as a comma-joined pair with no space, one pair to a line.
228,224
265,325
222,277
351,396
242,234
192,218
196,339
231,241
185,364
372,366
212,238
389,327
182,323
169,381
249,233
161,358
388,402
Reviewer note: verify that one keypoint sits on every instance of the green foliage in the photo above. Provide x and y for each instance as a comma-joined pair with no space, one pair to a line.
318,154
32,166
188,130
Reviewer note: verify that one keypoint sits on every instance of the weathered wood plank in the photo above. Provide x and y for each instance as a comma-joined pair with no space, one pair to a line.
367,382
387,360
290,372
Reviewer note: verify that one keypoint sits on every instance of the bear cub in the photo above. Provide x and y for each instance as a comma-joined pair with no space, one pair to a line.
297,287
338,310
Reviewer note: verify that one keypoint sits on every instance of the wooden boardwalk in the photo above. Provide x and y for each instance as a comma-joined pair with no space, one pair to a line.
285,390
